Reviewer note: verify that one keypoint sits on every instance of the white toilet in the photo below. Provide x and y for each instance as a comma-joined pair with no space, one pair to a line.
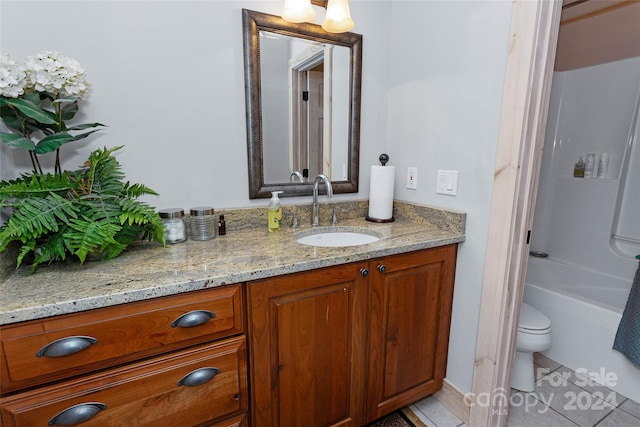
534,334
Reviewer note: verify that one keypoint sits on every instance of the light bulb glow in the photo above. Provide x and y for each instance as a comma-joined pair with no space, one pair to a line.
338,18
298,11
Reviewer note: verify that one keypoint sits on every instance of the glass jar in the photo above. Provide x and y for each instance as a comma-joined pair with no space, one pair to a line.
202,223
175,228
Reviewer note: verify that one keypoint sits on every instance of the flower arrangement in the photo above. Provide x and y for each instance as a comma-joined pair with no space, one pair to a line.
54,215
38,99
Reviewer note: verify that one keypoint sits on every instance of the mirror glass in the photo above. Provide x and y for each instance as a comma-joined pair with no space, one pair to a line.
303,105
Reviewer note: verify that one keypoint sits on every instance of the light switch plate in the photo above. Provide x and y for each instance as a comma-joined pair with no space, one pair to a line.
447,182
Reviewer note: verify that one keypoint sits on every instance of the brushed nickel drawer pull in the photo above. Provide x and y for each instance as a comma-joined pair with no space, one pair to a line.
193,318
77,414
66,346
382,268
199,377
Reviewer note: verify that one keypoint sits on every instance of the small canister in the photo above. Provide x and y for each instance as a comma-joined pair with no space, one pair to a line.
175,229
203,223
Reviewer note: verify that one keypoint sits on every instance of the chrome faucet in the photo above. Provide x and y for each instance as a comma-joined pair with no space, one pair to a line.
295,175
316,181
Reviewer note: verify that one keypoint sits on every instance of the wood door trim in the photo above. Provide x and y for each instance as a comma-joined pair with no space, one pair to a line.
524,110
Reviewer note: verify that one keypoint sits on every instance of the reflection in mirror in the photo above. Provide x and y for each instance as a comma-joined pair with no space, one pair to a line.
305,107
303,103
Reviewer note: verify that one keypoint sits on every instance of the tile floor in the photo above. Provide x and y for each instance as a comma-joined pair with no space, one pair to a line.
562,398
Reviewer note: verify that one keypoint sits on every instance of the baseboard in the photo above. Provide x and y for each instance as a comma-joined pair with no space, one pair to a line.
453,399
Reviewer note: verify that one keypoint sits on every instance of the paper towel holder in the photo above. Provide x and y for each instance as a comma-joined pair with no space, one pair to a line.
384,159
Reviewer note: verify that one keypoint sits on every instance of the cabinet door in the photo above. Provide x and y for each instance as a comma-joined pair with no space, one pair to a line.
307,333
410,311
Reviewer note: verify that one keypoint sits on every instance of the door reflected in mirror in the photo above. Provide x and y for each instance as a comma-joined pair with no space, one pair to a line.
303,105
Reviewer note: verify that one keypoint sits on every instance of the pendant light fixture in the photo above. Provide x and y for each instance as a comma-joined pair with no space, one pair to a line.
338,18
298,11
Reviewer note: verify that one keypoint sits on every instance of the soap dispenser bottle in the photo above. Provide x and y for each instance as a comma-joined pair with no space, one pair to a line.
578,169
275,212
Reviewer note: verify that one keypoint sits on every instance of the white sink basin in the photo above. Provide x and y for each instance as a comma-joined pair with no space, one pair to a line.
336,237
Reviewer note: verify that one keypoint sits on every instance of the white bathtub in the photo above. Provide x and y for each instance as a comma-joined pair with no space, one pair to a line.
585,308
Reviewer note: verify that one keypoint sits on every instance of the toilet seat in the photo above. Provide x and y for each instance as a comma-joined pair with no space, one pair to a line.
533,321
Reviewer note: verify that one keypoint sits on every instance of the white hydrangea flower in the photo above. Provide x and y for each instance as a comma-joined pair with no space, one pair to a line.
13,78
59,75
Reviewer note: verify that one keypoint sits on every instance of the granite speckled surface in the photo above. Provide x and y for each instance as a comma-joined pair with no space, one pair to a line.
247,252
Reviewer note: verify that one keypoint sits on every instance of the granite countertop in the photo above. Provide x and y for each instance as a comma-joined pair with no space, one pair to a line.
247,252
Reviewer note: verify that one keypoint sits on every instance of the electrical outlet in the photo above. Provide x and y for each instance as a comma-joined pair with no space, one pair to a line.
412,178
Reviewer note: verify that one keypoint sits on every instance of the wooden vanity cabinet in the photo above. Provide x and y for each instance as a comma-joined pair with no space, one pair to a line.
336,346
175,360
345,345
409,310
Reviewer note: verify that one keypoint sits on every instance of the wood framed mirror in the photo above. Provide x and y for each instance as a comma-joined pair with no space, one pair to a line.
302,92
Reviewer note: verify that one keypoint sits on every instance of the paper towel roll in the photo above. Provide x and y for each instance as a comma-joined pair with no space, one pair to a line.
381,193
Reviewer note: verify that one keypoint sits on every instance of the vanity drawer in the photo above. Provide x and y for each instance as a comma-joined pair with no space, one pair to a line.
236,421
146,393
104,337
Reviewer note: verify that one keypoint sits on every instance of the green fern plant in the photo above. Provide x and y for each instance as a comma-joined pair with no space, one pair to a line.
91,210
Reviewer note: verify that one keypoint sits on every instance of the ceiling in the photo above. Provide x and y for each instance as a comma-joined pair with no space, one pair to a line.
597,31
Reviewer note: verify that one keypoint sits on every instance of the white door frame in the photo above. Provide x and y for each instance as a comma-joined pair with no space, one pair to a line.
529,73
298,109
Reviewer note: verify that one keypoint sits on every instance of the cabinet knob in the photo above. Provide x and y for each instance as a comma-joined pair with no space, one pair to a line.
193,318
364,272
77,414
382,268
66,346
199,377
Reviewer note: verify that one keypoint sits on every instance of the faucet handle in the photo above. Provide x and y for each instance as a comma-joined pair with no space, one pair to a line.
334,217
295,220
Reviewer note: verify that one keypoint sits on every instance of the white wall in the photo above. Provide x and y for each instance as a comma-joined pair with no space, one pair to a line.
446,76
168,80
339,131
274,89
